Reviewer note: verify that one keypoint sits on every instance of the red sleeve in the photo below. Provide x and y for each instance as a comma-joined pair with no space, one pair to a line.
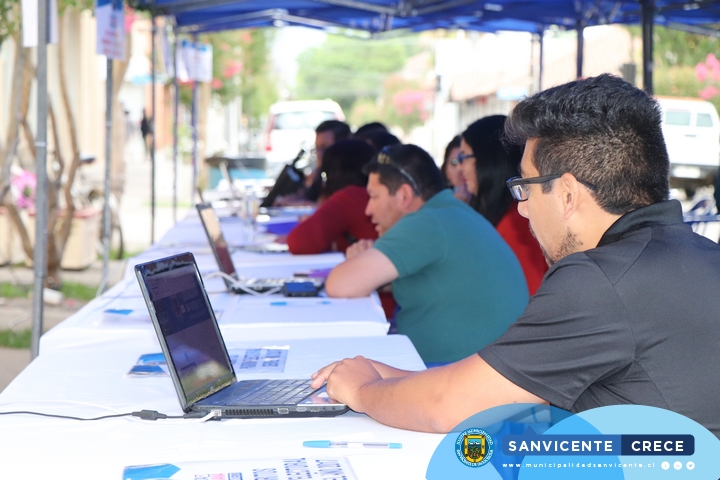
341,214
515,230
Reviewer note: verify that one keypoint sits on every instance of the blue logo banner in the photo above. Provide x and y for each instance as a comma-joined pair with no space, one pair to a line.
539,442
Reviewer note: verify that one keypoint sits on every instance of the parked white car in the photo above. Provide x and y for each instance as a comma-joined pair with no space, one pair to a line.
692,134
291,126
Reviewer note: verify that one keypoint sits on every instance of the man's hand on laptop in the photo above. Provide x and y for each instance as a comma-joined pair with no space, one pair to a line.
358,247
345,379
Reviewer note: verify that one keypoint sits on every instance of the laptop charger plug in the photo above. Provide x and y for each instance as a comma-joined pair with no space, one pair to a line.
149,415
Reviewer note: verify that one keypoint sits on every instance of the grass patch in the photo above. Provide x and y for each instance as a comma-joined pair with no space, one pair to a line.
126,254
78,291
15,339
11,290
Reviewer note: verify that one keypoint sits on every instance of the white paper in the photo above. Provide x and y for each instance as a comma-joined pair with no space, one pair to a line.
244,360
268,468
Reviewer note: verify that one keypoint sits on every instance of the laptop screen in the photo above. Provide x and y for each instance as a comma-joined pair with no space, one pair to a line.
217,239
187,326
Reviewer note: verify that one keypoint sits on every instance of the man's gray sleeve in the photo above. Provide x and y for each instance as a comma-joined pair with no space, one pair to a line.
573,333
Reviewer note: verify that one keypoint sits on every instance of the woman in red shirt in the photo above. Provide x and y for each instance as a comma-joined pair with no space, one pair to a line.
487,163
340,219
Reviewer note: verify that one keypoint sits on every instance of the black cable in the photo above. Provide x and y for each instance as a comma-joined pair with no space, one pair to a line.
143,414
65,416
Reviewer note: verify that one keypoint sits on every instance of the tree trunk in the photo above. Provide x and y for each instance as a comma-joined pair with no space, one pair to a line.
64,232
20,93
118,127
13,130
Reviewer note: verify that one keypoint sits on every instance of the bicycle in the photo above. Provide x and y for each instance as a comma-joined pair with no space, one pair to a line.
90,194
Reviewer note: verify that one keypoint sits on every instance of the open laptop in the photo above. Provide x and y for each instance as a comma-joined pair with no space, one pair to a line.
220,249
198,360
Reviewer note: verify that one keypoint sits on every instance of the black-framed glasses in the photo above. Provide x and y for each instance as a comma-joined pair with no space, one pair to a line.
461,158
384,158
519,186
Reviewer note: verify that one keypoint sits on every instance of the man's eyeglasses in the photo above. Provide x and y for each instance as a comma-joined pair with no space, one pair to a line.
384,158
519,186
461,158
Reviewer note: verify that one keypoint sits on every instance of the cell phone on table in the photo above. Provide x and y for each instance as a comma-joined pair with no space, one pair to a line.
299,289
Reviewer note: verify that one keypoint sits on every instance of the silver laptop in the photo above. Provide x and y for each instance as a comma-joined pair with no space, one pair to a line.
197,358
220,249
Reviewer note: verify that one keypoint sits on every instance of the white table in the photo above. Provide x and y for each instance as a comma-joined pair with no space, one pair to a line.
40,447
255,318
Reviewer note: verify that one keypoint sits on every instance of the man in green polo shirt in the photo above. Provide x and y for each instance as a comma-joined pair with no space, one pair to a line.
458,284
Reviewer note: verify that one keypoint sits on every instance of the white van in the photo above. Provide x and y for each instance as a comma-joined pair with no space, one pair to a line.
692,134
291,126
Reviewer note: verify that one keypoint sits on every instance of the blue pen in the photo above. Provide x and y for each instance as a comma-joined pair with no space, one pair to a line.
344,444
285,304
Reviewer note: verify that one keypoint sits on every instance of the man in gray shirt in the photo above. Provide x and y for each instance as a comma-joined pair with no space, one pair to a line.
627,313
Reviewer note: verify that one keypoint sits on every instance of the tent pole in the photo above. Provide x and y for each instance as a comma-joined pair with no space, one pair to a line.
41,202
153,73
176,98
647,17
108,161
580,48
541,60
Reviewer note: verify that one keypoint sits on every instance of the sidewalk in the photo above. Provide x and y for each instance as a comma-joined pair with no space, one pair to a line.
16,313
136,221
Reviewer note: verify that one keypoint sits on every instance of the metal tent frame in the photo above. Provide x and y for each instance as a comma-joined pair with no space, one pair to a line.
376,17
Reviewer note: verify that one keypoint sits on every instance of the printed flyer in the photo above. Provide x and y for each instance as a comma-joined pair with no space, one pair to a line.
261,469
245,360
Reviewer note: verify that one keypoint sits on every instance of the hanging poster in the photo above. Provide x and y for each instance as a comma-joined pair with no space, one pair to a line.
110,17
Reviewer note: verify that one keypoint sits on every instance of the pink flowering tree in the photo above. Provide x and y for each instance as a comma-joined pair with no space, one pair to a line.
406,103
708,73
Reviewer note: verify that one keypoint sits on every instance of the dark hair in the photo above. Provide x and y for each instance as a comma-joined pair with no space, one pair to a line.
454,143
602,130
495,162
343,165
416,162
371,127
379,139
340,130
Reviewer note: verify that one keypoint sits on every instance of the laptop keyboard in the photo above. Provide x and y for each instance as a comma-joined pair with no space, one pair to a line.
275,392
278,282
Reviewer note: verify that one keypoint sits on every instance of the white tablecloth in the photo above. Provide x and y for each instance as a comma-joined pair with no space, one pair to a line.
37,447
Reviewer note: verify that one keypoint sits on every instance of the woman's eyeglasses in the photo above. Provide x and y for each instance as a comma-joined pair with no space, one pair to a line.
461,158
384,158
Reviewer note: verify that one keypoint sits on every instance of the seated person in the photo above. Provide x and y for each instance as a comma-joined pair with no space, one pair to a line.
379,139
340,219
487,163
326,134
452,170
370,127
627,313
445,262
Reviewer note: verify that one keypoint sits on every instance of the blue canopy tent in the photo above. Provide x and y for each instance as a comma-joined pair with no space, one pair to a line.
377,17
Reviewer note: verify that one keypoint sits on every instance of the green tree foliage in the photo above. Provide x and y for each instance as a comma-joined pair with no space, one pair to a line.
348,69
259,85
9,19
241,68
676,53
677,48
675,56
